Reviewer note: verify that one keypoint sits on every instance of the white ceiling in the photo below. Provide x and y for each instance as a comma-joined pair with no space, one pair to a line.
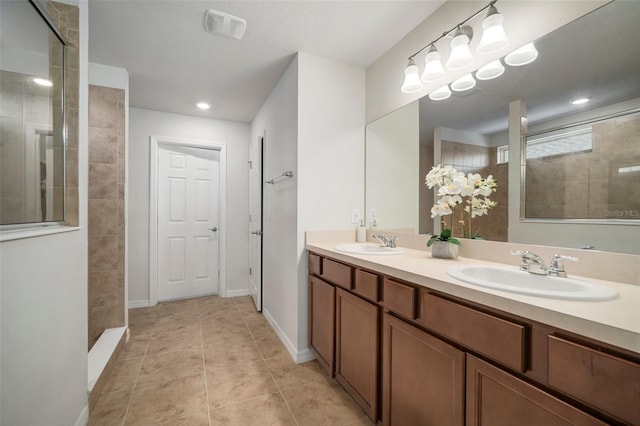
173,62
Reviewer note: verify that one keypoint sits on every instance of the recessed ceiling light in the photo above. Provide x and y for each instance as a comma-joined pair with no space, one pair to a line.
580,101
42,82
203,105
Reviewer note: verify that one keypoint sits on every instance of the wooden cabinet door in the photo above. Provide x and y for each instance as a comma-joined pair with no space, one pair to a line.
497,398
322,310
357,347
423,378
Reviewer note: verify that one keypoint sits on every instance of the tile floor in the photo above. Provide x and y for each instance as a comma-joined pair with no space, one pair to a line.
214,361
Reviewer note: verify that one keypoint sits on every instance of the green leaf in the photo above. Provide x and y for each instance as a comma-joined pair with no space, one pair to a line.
454,241
445,234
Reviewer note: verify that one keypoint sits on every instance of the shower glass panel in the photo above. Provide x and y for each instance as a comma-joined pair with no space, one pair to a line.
32,131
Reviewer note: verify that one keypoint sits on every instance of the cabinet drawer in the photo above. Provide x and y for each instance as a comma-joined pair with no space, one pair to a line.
315,264
601,380
499,339
399,298
367,285
337,273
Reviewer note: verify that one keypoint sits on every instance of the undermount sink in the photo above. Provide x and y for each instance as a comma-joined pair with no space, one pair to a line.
365,248
522,282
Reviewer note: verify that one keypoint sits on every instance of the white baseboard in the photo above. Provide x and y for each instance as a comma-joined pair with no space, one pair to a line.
236,293
83,418
144,303
298,356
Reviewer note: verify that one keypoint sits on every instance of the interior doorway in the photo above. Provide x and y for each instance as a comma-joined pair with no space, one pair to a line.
256,186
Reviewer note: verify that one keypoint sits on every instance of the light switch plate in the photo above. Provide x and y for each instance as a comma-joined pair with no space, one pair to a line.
355,216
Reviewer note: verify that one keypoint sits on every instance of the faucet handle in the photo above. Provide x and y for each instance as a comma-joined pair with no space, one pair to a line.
527,255
391,239
557,264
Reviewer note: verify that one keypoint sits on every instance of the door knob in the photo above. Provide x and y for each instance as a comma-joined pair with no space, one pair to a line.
214,229
257,232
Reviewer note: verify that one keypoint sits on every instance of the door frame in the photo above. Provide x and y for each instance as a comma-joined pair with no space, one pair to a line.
156,142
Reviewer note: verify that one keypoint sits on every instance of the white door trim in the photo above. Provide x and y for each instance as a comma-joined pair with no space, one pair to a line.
155,142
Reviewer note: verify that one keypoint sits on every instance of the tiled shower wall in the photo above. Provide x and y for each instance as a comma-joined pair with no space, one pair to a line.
477,159
589,184
106,209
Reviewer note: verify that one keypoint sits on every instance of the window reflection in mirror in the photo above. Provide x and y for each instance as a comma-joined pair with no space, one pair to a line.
32,166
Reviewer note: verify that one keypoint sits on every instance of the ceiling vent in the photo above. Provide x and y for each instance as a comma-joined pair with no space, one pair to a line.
224,24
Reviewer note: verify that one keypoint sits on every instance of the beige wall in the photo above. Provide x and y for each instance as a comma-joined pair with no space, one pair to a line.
106,209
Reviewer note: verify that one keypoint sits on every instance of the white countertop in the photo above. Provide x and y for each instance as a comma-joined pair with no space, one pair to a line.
616,322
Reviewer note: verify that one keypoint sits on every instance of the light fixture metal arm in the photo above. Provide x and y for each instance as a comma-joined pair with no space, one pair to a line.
459,25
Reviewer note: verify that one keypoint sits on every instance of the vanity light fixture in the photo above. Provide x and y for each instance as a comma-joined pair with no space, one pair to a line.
203,105
433,69
493,38
440,94
490,71
42,82
493,35
460,55
464,83
412,81
580,101
522,56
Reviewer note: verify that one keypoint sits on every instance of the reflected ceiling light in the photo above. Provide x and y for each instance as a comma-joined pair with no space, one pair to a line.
490,71
460,55
42,82
440,94
580,101
522,56
464,83
203,105
493,35
433,69
412,82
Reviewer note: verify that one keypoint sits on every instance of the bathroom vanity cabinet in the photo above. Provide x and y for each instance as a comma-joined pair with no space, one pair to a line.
409,355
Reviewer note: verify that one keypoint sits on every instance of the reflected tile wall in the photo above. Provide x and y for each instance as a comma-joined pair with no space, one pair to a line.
590,184
106,210
478,159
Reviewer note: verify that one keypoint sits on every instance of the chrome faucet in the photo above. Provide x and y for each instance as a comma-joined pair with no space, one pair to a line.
534,264
556,269
531,262
386,240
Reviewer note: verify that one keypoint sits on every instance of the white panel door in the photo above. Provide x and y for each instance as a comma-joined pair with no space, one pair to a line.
255,222
188,213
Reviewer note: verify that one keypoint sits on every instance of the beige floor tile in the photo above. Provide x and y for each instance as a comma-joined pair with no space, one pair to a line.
322,403
110,409
171,365
270,345
142,329
196,420
231,353
188,338
177,306
238,383
213,334
288,374
269,410
143,314
135,347
167,401
365,421
124,375
258,325
176,322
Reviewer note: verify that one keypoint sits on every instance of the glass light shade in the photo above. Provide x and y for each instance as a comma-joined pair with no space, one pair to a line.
466,82
522,56
490,71
433,69
412,82
493,36
440,94
460,55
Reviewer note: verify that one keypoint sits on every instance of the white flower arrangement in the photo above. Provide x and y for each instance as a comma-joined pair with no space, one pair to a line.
454,189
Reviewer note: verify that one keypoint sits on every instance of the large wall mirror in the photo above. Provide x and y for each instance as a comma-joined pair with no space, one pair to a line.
569,175
32,152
